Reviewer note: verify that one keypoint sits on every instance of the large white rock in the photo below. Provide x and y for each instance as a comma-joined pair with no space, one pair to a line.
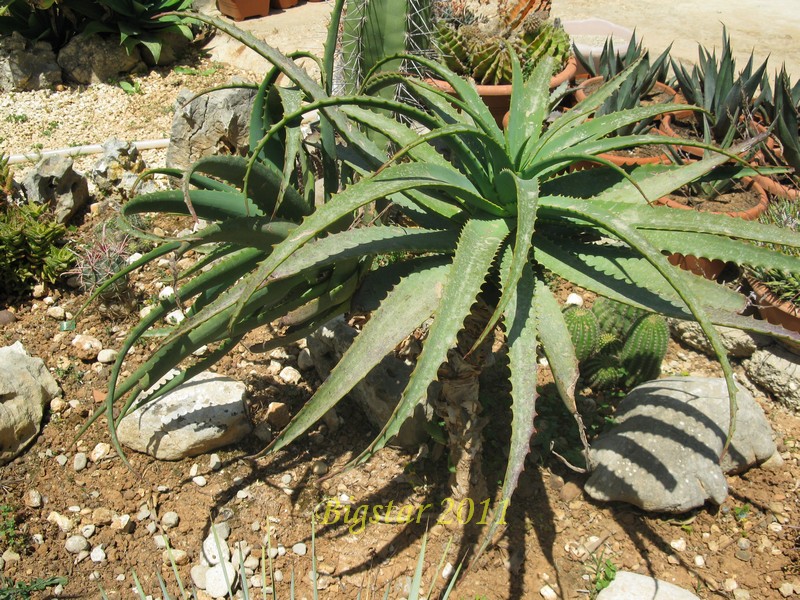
663,455
26,387
632,586
202,414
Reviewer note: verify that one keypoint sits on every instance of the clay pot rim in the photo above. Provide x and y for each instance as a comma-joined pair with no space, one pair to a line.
580,92
504,89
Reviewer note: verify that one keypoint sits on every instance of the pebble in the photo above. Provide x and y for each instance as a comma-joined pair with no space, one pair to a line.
180,557
740,594
134,257
673,560
56,312
272,552
299,549
699,562
304,360
213,554
278,575
10,556
743,543
170,519
80,461
62,459
87,531
151,528
102,516
775,527
251,562
39,290
575,299
107,356
99,452
320,467
76,543
255,526
122,523
194,470
33,499
200,481
278,414
86,347
223,530
281,550
198,575
175,317
786,589
98,554
678,545
143,513
448,571
216,582
166,293
286,478
58,405
290,375
214,463
263,432
162,541
7,317
729,584
63,522
242,494
743,555
548,593
570,491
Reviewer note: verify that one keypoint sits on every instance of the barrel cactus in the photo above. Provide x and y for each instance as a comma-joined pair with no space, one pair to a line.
583,329
483,50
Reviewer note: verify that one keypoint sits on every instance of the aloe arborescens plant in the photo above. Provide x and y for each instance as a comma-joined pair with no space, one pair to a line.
482,224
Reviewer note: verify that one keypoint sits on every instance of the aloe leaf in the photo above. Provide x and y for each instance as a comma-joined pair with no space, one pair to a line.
365,241
411,302
529,107
522,321
211,205
477,248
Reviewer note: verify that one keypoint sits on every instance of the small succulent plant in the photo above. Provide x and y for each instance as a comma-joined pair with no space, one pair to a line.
482,50
100,262
618,345
782,283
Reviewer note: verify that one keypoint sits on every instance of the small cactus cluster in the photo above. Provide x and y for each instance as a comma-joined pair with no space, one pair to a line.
6,180
483,51
617,345
29,248
100,262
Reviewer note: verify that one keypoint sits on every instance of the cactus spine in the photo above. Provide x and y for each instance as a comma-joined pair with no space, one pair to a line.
583,329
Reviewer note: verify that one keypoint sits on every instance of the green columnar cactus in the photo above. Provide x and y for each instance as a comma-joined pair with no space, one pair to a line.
583,329
644,349
630,347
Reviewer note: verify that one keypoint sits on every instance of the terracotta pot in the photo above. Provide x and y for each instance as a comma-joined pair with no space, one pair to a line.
666,129
498,97
283,4
238,10
776,188
712,269
773,309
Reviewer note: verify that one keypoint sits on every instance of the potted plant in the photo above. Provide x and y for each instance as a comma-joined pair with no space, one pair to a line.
479,227
777,291
644,87
480,48
727,97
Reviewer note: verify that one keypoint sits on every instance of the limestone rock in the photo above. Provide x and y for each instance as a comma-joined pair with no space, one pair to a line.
86,347
26,387
118,168
26,65
630,586
379,392
211,124
738,343
94,59
202,414
777,371
663,454
56,183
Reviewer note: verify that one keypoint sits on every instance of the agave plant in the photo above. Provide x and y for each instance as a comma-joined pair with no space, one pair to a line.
483,224
611,63
726,95
483,50
780,104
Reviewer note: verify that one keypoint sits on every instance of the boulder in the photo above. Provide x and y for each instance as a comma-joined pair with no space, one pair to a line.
632,586
663,455
118,167
379,392
94,59
26,65
776,370
215,123
26,387
203,414
738,343
56,183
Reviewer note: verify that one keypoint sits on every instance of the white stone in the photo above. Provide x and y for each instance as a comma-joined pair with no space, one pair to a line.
730,584
290,375
161,541
627,586
107,356
33,499
86,347
87,531
98,554
678,545
448,570
76,543
170,519
134,257
175,317
299,549
180,557
214,462
166,293
63,522
320,467
215,551
548,593
575,299
216,581
304,360
122,523
699,562
99,452
203,414
80,461
200,481
56,312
